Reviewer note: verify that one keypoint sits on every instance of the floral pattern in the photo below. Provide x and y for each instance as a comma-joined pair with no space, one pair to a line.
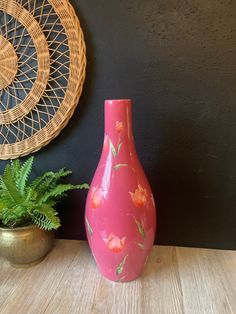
141,245
139,197
119,126
112,147
96,197
141,229
119,147
120,267
114,244
142,232
115,151
118,166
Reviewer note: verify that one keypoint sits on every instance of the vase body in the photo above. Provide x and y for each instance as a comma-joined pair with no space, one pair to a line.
120,214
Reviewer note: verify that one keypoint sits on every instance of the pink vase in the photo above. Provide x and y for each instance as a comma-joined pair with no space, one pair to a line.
120,212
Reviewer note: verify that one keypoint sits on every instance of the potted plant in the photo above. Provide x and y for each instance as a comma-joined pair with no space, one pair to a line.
27,212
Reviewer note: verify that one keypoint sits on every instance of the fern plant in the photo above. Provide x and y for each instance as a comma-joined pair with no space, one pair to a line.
23,203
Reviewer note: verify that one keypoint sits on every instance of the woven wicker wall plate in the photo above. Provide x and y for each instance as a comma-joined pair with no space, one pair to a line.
42,71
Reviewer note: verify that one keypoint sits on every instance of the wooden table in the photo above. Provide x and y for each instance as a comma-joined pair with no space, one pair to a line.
176,280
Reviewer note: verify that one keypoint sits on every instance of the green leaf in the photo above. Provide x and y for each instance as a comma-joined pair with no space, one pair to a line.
9,179
22,203
119,147
14,216
15,166
40,180
2,205
49,179
140,228
56,192
23,175
6,200
30,195
112,148
82,186
46,218
116,167
9,189
8,174
89,227
62,173
120,267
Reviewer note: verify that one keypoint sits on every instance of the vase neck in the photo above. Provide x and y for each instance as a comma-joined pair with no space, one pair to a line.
118,119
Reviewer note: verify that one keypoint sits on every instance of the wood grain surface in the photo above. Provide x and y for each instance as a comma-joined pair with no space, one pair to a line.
176,280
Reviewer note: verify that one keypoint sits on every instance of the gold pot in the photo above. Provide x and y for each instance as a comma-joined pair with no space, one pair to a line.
25,246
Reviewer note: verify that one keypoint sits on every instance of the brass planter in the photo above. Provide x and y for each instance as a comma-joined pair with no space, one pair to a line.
25,246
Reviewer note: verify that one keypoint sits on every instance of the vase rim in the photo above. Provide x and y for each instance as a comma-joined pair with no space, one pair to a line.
118,100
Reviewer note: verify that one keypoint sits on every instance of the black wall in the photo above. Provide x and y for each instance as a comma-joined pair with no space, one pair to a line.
177,60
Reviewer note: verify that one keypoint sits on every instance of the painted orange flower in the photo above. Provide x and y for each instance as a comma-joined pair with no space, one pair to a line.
96,197
119,126
139,197
114,244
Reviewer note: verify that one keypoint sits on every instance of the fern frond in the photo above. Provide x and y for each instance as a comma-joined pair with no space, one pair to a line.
24,172
62,173
56,192
48,180
52,181
9,176
14,216
22,203
8,188
37,182
8,173
8,184
46,218
15,166
2,205
30,195
7,200
81,186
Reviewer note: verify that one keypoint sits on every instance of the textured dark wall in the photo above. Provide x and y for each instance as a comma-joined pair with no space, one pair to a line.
177,60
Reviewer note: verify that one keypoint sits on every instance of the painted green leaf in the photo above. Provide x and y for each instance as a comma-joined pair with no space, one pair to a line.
140,228
113,150
119,147
141,245
89,227
116,167
120,267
